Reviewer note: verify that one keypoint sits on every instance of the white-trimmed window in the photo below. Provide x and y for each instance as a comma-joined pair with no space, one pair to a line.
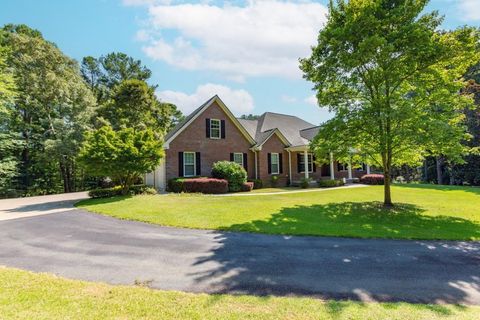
342,166
189,164
238,158
215,131
274,163
302,163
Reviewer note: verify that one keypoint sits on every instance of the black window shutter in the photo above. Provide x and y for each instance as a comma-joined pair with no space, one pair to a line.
269,163
231,157
280,162
314,165
299,168
198,164
222,126
180,164
339,168
245,165
207,126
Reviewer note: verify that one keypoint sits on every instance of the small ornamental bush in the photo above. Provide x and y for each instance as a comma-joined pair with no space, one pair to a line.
117,191
274,181
375,179
305,183
175,185
257,183
234,173
205,185
330,183
248,186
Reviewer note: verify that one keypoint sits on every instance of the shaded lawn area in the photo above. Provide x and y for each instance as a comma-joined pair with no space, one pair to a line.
26,295
421,212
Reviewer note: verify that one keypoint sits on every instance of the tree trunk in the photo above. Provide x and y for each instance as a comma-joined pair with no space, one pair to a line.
387,194
439,170
64,175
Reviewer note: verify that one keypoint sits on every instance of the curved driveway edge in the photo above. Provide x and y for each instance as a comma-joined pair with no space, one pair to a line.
81,245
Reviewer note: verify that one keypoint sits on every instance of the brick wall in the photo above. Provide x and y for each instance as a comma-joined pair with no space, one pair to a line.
194,139
272,145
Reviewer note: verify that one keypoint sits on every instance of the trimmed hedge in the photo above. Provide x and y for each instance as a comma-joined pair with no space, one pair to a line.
257,183
234,173
330,183
198,185
176,185
375,179
248,186
117,191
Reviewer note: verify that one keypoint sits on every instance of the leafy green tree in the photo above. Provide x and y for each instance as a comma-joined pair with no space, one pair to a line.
50,113
9,142
392,81
124,155
134,104
249,116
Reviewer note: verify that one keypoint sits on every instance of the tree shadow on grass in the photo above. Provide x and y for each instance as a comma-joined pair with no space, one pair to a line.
363,270
363,219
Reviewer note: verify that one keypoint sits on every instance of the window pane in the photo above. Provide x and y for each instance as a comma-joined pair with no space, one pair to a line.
189,170
274,162
189,158
238,158
215,128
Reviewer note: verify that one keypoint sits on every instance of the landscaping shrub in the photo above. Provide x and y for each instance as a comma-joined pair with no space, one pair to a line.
234,173
117,191
248,186
330,183
142,189
375,179
257,183
175,185
205,185
305,183
274,181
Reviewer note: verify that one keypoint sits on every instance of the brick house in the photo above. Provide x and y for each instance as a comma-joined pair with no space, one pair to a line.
275,144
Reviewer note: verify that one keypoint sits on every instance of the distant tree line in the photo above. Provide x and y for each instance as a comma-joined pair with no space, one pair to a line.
51,107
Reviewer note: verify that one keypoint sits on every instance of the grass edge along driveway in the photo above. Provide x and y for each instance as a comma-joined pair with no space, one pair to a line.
424,212
27,295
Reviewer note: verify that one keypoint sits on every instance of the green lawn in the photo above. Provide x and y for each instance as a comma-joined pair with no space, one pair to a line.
26,295
422,212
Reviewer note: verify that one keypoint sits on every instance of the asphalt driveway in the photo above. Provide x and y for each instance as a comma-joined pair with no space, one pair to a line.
48,235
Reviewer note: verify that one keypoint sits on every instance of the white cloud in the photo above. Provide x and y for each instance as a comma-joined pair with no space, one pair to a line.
288,99
238,101
261,38
311,100
470,9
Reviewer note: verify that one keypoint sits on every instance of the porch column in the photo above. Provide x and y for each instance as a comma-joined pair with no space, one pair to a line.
350,176
332,167
289,166
256,164
305,155
368,169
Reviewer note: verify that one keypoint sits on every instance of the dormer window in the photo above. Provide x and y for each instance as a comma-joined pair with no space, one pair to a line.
215,128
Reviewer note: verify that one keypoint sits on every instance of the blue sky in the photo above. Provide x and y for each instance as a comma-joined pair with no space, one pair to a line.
246,51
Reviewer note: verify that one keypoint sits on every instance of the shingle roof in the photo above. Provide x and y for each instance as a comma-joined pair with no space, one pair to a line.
296,131
289,126
187,118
